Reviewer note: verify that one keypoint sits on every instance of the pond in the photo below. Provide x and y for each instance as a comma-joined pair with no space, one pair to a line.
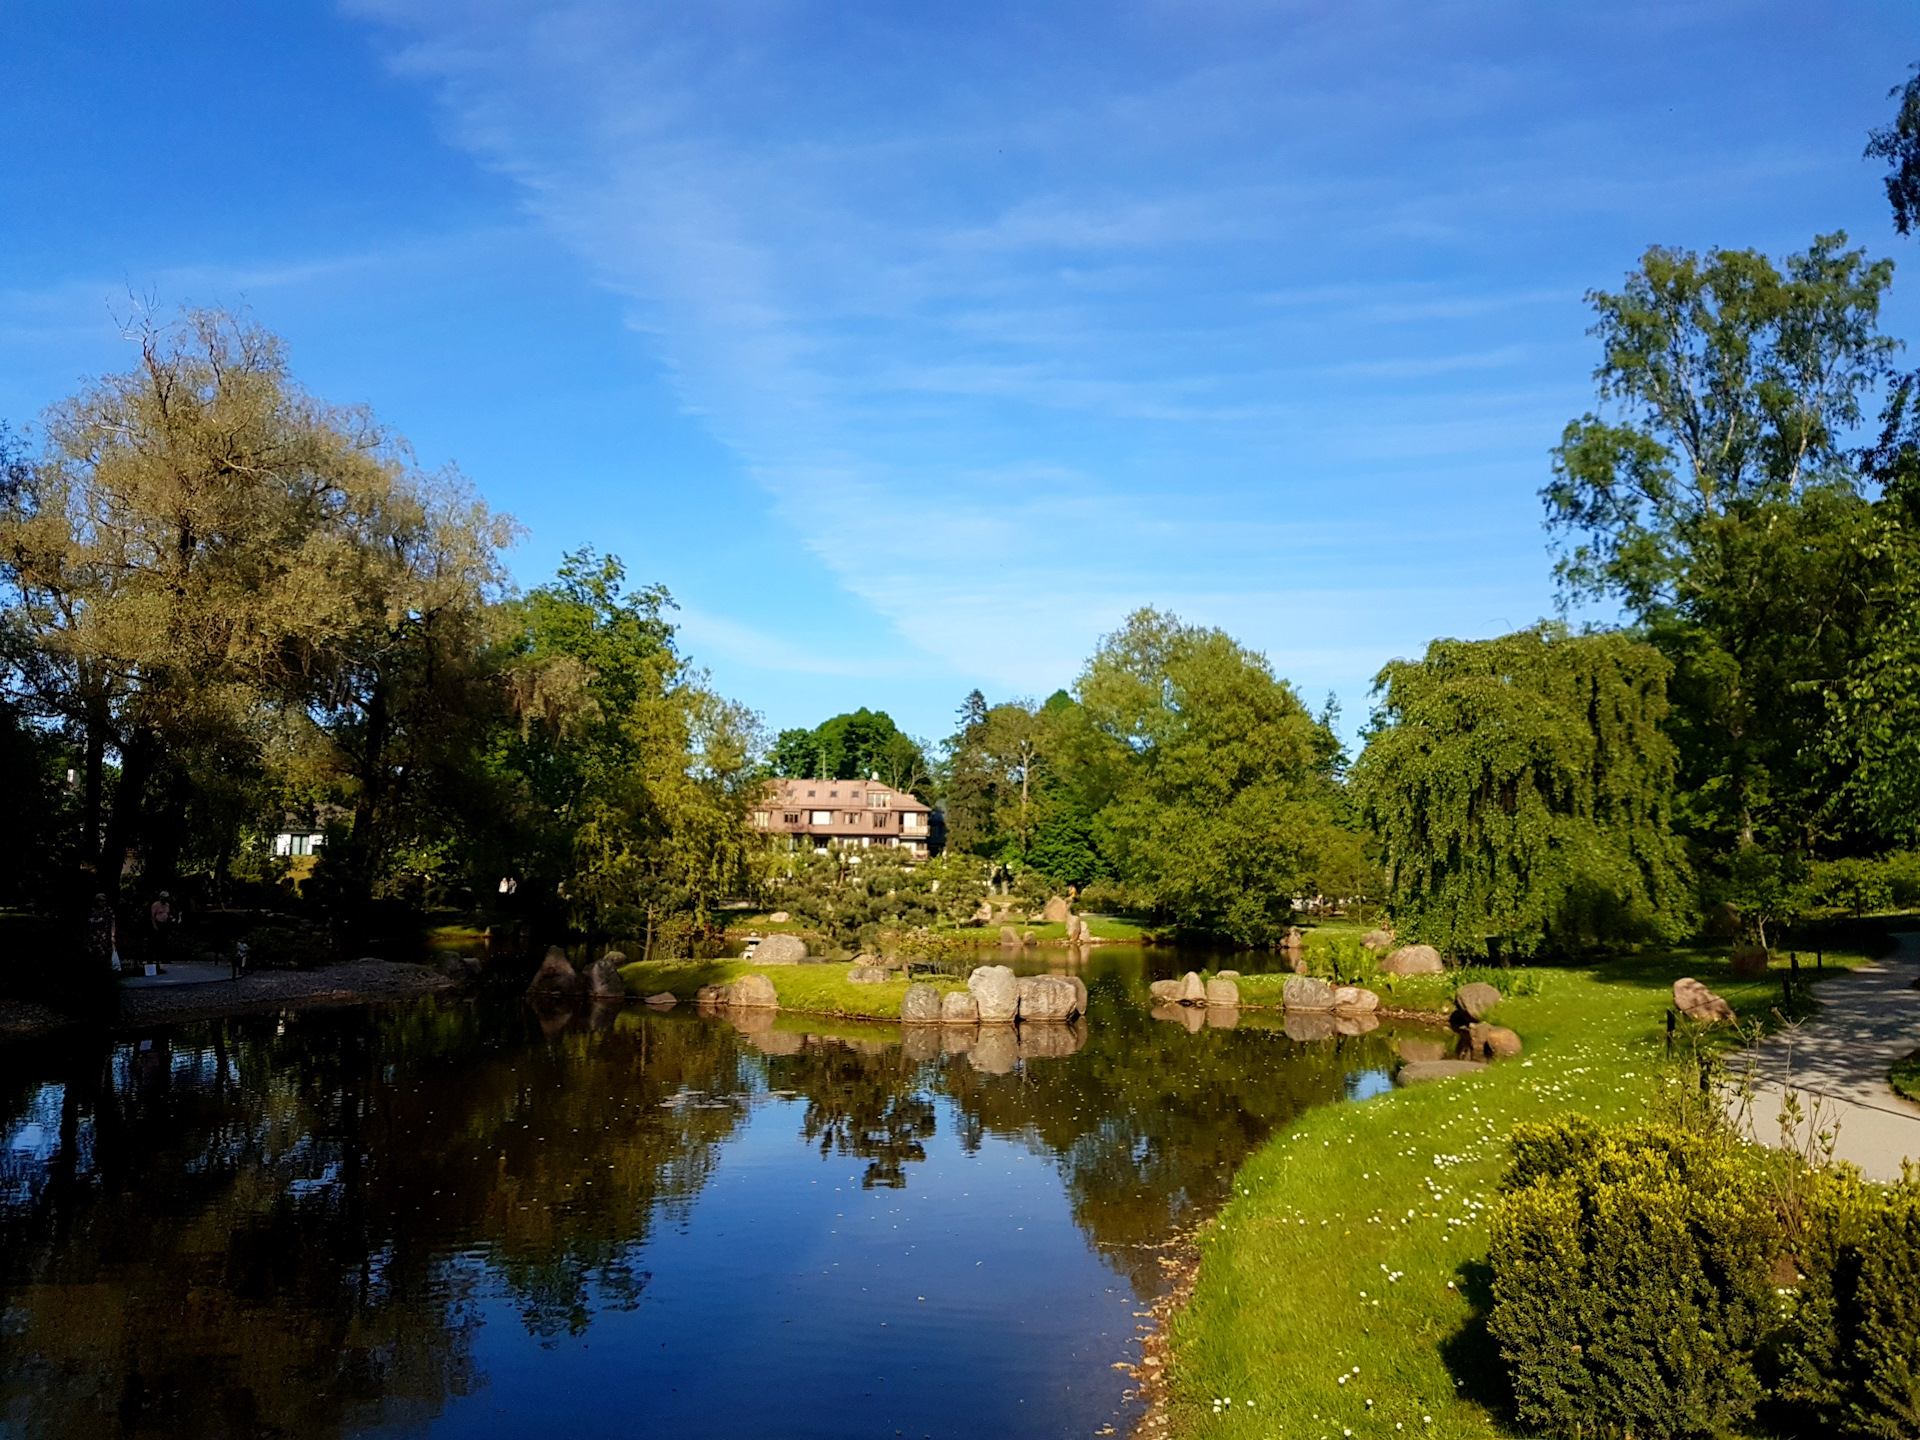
457,1217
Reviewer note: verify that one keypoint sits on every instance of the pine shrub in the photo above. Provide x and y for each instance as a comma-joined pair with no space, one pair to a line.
1631,1281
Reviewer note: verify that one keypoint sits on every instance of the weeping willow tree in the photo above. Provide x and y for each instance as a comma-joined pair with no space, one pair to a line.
1521,791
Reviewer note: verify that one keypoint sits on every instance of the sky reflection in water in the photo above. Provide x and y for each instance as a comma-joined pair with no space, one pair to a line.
464,1218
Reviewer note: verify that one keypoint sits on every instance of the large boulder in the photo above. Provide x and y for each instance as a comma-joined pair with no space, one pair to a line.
461,969
1353,1000
1079,992
664,1000
1696,1002
920,1005
556,976
1413,960
1009,936
708,995
1494,1042
1193,990
996,1052
603,980
869,975
1378,941
1293,944
1166,992
780,950
958,1007
1414,1072
779,917
997,993
1307,1025
1476,1001
1223,994
1305,992
1047,997
753,992
1056,912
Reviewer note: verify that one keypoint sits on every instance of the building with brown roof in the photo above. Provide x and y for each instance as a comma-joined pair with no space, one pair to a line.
864,813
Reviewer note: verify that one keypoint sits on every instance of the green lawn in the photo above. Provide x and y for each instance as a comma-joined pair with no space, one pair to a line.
813,989
1905,1076
1355,1245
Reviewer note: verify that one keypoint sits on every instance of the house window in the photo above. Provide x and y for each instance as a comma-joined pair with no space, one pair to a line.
876,797
853,818
809,794
823,817
791,817
879,822
760,818
833,794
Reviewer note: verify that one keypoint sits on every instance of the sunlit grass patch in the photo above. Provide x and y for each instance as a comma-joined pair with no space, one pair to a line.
815,989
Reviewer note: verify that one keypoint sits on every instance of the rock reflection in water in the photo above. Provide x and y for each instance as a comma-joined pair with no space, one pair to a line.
251,1227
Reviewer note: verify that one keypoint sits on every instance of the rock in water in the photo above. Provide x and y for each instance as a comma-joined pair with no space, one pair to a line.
1223,993
1476,1001
1352,1000
1050,1042
1056,912
996,1051
1047,997
1697,1002
710,995
958,1007
1413,960
1167,992
1009,935
869,975
1493,1041
1305,992
997,993
556,976
1416,1071
753,992
1079,992
1309,1025
780,950
920,1005
665,1000
1029,938
1193,990
603,980
461,969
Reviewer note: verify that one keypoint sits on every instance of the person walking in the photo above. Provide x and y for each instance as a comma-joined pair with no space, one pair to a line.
161,915
102,935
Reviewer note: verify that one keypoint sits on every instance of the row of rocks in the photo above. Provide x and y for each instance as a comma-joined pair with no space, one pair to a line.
996,996
1220,992
556,976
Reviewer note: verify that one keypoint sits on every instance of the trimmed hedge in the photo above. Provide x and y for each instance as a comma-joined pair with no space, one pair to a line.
1638,1288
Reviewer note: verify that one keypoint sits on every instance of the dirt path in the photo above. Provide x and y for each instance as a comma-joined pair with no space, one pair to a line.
1839,1060
191,991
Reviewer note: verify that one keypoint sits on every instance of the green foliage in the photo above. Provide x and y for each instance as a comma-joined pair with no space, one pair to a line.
1631,1281
1521,789
1905,1076
855,746
1899,145
852,897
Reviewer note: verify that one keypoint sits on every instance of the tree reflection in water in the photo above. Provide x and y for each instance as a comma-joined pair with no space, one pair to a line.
259,1226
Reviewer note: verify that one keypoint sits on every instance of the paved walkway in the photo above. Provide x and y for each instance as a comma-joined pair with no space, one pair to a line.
1868,1019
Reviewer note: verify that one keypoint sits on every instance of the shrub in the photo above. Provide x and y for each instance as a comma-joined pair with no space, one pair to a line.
1631,1281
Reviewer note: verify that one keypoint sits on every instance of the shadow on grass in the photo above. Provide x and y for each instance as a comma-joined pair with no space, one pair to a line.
1471,1354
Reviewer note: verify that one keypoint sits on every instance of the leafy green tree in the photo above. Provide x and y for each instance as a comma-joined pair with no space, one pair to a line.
1221,782
1522,791
1720,506
855,746
1899,145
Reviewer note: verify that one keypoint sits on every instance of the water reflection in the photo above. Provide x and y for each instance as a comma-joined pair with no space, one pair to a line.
336,1223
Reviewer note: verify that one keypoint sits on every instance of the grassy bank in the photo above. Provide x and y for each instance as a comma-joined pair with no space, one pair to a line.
813,989
1341,1292
1905,1076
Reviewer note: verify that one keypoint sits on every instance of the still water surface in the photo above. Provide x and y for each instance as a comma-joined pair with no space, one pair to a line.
463,1218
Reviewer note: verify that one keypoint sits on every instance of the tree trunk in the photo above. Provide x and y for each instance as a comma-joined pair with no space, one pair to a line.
123,824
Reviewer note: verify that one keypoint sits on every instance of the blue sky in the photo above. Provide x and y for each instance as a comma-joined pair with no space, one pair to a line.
912,346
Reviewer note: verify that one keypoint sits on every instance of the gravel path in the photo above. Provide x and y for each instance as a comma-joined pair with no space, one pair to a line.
185,994
1868,1019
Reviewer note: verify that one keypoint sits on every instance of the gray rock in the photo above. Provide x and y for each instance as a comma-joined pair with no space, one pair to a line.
959,1039
1345,1023
868,975
958,1007
919,1043
1306,992
1378,941
1413,960
1697,1002
1193,990
1477,1000
556,976
1492,1041
1009,935
1047,997
1056,912
1167,992
779,917
1222,993
1226,974
1353,1000
997,992
618,957
920,1005
1416,1072
665,1000
710,995
781,950
1079,992
753,992
603,980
